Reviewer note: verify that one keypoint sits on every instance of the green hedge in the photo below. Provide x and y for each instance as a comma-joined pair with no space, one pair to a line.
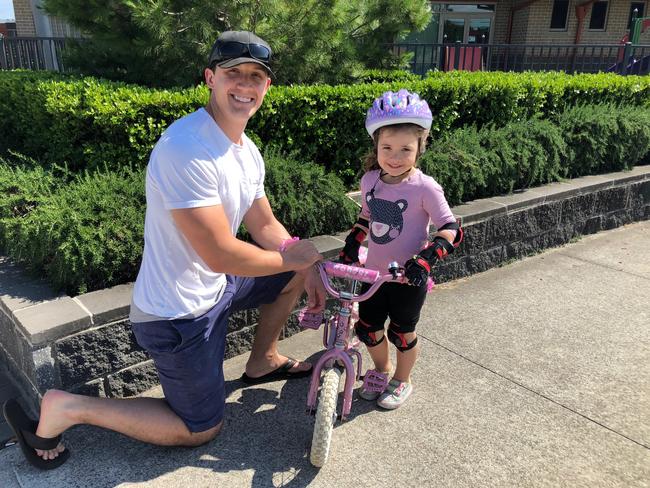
473,163
386,76
88,123
85,231
85,235
605,138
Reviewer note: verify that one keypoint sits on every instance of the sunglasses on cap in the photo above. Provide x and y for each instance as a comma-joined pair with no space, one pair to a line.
234,49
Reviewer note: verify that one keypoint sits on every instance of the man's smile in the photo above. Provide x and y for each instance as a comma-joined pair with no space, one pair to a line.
241,99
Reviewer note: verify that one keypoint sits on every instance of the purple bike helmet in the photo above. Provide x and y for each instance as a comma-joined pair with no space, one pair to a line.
402,107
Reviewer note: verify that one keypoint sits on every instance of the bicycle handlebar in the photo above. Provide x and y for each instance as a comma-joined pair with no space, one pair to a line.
339,270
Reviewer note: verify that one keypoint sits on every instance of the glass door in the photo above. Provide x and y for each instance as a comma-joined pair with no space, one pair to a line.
478,31
453,30
464,23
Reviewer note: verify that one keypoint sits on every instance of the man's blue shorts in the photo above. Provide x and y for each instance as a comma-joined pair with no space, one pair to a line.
188,353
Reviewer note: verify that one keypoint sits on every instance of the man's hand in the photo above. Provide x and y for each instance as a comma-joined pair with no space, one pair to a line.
315,289
417,270
300,255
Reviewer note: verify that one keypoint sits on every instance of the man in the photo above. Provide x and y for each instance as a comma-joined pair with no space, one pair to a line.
204,178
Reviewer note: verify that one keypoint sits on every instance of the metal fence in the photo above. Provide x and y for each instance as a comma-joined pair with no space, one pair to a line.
45,53
33,53
572,58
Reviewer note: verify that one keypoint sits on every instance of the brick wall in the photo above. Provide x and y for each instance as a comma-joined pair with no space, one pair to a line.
520,24
501,16
24,19
537,30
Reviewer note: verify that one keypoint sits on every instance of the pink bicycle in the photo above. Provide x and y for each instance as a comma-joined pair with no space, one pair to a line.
342,348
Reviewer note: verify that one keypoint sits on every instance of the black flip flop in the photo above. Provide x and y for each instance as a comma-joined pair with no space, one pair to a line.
281,373
25,430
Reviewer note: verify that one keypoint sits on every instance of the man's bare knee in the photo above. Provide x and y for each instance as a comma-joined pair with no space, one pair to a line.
199,438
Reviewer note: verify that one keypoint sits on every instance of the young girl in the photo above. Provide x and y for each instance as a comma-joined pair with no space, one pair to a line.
398,203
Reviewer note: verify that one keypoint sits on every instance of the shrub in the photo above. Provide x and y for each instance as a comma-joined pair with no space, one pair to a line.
23,187
604,138
472,163
307,200
524,154
85,231
85,236
88,122
459,163
386,76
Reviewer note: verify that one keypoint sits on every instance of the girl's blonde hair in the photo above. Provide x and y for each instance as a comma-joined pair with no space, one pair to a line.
370,161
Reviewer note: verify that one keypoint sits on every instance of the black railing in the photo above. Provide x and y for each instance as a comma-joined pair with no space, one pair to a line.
32,53
572,58
45,53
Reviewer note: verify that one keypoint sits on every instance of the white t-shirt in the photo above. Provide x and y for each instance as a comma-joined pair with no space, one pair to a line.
193,164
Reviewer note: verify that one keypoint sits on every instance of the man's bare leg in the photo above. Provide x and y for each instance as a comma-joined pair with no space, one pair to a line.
145,419
264,356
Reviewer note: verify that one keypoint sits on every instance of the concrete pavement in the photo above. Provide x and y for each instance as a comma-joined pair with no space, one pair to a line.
535,374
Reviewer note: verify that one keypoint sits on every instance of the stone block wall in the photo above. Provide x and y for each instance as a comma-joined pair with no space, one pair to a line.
509,236
84,344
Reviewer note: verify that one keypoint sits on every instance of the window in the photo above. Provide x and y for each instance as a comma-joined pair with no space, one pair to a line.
639,12
62,29
598,16
469,8
560,14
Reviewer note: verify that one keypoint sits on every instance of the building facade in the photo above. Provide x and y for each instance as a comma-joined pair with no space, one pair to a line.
521,35
7,29
532,22
33,21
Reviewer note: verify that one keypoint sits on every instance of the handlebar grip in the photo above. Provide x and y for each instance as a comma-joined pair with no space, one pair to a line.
351,272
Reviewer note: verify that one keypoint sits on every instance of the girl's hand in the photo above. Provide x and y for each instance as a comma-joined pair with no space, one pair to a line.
416,271
350,252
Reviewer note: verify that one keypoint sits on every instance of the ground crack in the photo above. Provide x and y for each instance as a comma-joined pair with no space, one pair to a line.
533,391
611,268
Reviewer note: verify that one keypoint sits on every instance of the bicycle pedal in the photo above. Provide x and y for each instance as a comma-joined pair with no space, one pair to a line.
375,381
309,320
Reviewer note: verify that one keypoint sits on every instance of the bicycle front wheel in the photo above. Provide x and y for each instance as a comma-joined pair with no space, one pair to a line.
325,417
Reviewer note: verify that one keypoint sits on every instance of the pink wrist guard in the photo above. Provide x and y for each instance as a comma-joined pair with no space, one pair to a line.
287,242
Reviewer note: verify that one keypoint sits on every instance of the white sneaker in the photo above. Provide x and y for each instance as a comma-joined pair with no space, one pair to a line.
395,394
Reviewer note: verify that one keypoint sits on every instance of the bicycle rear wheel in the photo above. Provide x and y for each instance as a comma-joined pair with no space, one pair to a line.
325,417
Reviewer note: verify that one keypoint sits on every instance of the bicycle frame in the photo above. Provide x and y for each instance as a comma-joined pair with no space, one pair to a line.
338,334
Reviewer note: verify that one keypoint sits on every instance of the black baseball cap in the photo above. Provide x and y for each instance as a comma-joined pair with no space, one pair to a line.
237,47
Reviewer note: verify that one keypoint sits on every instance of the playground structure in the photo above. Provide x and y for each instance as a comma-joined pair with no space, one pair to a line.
627,63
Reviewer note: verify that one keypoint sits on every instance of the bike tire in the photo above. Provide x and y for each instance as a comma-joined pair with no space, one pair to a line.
325,417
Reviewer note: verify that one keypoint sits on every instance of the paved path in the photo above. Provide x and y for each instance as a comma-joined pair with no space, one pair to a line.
536,374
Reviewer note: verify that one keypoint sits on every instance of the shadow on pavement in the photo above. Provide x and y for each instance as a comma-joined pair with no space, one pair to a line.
266,439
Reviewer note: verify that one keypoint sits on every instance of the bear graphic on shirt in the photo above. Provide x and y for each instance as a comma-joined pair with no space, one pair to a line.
386,218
